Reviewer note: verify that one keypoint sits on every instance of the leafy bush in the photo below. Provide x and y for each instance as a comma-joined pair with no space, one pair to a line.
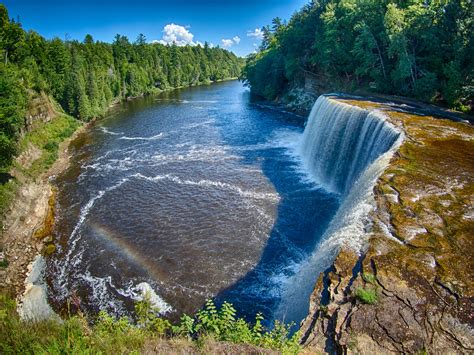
72,336
51,146
148,317
223,325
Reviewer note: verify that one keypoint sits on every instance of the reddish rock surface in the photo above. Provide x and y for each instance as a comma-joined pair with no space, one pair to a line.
419,261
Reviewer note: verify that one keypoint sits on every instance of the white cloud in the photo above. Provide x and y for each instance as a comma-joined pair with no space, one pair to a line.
257,33
227,43
177,34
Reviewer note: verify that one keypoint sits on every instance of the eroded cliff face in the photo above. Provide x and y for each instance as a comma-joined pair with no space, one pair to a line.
411,289
40,109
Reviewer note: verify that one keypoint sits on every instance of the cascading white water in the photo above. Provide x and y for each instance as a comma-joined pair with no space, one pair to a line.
341,140
346,148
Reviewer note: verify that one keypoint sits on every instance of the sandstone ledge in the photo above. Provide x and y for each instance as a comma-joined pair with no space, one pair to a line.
419,261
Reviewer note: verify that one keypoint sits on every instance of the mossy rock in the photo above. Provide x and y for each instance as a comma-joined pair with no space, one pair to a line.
48,225
49,249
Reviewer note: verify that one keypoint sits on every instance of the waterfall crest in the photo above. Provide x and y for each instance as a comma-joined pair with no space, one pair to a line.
346,148
340,141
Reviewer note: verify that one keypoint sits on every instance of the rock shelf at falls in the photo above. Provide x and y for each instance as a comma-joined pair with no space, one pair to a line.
418,260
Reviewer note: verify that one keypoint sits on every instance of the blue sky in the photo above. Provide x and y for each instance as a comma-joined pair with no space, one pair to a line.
188,21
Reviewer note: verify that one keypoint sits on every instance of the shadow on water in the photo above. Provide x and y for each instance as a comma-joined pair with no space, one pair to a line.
303,214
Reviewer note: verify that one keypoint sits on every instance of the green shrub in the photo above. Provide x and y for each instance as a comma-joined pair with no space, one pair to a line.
148,317
367,295
223,325
51,146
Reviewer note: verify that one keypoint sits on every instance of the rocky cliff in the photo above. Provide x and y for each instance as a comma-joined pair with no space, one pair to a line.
411,288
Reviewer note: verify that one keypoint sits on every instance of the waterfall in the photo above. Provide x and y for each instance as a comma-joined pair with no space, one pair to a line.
346,148
340,141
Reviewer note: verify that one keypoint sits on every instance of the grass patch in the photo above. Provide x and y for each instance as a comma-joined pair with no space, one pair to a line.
107,334
73,336
47,137
367,295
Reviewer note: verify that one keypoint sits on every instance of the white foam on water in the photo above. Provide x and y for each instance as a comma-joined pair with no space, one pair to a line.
71,257
188,101
102,294
213,184
200,101
155,137
143,290
198,124
107,131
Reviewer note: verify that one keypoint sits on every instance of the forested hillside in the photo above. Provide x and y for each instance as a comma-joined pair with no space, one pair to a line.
85,77
417,48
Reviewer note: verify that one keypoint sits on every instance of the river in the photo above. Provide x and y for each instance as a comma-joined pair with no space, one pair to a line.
192,194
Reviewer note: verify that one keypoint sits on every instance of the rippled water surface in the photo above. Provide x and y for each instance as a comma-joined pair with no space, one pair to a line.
192,194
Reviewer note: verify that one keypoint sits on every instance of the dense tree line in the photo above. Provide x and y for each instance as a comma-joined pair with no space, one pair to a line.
417,48
85,77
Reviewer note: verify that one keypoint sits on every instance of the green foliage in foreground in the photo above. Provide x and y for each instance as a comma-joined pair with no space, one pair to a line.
367,295
110,335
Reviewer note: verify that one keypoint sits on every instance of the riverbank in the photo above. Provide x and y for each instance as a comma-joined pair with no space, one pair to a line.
410,290
27,226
